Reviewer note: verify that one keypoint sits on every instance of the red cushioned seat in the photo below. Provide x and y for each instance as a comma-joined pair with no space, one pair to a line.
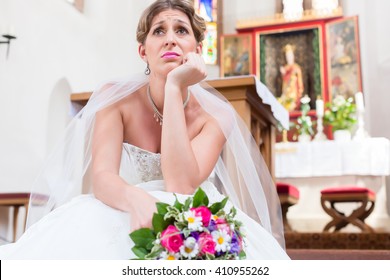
288,196
284,188
364,197
347,190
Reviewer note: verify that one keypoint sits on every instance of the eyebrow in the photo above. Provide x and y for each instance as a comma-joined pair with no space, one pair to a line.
179,20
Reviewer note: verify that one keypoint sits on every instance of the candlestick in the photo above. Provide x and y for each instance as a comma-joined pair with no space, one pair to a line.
359,101
320,135
360,132
320,107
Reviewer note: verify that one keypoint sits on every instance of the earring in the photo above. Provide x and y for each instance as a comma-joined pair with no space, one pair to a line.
147,70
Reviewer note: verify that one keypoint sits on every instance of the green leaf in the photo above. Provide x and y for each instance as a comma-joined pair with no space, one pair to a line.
158,222
142,237
156,251
162,208
172,213
215,207
200,198
177,204
140,252
242,255
187,204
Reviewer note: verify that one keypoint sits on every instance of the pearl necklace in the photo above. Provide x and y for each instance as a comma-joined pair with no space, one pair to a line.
157,115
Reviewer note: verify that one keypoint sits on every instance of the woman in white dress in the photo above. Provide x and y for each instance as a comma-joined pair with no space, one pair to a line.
142,140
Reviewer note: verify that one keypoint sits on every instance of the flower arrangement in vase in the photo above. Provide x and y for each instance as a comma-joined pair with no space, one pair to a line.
340,114
304,124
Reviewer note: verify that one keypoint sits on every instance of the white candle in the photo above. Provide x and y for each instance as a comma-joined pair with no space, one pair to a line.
319,107
359,101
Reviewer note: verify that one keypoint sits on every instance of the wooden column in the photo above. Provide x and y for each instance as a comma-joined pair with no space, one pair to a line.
241,93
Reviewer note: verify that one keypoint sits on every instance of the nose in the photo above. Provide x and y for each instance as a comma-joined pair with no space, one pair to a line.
170,39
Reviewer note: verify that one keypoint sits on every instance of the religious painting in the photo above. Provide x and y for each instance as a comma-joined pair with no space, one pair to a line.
236,55
344,72
289,62
208,9
209,50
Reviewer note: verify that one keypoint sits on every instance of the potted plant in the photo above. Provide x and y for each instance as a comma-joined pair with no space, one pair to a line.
340,114
304,123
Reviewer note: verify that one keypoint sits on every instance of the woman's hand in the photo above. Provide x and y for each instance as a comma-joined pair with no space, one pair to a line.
192,71
142,208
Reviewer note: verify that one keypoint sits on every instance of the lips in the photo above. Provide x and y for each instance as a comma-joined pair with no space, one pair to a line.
170,55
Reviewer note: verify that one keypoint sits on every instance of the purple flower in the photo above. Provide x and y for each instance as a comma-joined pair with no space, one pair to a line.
235,245
212,226
195,235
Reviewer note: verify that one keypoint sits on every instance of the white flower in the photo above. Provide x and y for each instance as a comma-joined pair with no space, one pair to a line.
339,101
194,222
190,248
222,240
169,256
305,99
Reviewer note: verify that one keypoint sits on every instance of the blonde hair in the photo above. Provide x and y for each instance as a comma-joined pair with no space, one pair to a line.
288,47
186,6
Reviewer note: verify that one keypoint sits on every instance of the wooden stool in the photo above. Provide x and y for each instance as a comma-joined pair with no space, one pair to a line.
15,200
340,194
288,196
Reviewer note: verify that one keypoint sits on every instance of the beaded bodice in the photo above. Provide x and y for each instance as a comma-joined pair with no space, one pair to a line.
139,165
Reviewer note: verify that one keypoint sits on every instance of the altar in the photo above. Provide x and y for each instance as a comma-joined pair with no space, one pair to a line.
313,166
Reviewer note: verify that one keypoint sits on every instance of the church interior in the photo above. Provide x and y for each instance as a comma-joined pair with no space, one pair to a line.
326,139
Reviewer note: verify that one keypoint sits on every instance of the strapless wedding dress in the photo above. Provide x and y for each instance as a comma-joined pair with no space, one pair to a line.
86,228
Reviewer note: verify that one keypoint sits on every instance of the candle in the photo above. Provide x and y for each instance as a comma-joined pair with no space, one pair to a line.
359,102
319,107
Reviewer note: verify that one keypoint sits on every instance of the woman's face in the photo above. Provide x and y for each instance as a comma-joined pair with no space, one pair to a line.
169,40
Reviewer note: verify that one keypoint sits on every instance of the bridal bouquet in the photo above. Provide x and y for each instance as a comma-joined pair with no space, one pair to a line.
193,230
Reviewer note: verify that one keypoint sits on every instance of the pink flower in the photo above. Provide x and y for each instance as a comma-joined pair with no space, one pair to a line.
204,212
219,221
223,225
206,243
171,239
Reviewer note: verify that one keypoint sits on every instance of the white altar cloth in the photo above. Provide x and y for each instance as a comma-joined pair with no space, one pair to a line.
313,166
330,158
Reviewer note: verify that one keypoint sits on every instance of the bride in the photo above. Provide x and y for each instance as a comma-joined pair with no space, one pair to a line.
142,140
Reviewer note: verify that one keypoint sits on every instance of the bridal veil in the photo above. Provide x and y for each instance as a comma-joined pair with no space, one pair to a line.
240,173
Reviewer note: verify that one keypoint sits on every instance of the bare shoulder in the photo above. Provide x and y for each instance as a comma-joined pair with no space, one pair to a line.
120,107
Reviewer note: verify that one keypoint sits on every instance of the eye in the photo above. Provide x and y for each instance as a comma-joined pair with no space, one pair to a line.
182,31
158,31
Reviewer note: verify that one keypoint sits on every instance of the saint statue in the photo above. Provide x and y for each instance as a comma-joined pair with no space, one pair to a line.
292,83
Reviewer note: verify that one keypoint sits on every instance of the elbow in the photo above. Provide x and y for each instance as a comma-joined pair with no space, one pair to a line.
184,186
97,184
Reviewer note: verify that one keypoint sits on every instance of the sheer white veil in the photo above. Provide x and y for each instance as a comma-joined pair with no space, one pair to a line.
240,172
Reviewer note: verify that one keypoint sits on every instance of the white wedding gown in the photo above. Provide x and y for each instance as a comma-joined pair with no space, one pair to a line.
86,228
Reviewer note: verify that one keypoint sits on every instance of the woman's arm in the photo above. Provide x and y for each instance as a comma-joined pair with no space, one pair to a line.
108,186
185,162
